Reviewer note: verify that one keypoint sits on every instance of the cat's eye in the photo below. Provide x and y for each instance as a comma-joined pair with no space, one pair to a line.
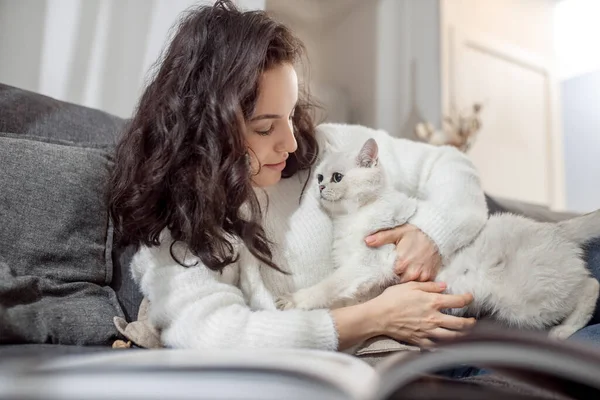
336,177
320,178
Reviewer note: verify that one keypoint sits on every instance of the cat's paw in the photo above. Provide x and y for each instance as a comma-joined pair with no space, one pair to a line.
561,332
285,302
302,299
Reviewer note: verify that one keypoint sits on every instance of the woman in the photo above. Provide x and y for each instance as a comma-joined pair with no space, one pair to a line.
198,184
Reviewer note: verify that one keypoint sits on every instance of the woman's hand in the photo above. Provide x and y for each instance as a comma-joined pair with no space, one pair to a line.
410,312
417,256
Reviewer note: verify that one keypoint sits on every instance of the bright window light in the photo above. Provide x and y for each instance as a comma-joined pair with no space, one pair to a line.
576,34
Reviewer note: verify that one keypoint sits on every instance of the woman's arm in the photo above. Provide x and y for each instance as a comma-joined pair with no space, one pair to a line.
193,308
407,312
451,206
451,210
355,324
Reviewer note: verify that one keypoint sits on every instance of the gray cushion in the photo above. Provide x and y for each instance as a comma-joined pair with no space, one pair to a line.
33,114
534,211
55,243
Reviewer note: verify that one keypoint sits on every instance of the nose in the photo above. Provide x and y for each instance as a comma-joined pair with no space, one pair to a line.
321,187
288,140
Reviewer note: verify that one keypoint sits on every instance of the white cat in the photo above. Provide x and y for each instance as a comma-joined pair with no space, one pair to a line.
354,192
522,273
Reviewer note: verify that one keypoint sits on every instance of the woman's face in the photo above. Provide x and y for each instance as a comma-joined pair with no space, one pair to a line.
269,131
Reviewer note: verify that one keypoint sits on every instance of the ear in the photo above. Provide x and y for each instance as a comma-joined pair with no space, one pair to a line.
367,157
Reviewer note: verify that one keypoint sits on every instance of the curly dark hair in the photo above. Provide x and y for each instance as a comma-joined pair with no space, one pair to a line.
181,162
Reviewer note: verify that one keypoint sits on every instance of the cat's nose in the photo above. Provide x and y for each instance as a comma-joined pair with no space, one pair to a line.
321,187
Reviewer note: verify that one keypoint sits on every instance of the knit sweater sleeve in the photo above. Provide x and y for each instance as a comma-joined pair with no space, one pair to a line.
451,207
194,308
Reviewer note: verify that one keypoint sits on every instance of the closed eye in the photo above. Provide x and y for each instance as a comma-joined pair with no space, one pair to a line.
267,132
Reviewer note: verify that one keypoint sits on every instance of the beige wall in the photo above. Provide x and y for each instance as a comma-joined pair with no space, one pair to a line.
376,59
525,23
350,59
502,53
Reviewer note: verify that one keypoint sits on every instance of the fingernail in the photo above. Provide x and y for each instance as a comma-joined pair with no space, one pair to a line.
370,240
442,285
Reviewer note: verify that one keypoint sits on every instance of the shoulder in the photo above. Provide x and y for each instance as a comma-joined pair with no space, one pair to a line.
163,255
175,257
342,136
349,137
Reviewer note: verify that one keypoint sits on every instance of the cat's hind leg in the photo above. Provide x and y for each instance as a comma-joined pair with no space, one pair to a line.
582,313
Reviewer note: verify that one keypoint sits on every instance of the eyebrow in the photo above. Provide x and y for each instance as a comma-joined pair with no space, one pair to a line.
270,116
266,116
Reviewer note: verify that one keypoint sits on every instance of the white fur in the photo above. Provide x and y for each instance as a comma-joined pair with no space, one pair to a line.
362,203
199,308
521,273
525,274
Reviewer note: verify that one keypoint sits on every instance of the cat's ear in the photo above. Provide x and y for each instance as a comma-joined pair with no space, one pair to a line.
367,157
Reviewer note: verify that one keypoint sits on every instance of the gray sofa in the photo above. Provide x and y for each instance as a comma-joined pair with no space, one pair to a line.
63,275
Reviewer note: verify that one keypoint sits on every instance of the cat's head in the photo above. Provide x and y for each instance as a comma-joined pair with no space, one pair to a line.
350,176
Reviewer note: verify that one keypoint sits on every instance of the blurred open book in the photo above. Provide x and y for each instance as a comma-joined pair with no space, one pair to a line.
565,370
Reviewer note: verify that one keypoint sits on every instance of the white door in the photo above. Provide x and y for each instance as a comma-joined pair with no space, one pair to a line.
518,151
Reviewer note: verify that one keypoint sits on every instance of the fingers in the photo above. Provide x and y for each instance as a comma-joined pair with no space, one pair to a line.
453,300
400,265
430,287
425,343
413,272
424,276
445,334
442,334
388,236
410,275
456,323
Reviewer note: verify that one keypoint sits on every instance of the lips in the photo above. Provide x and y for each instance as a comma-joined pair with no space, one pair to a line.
279,166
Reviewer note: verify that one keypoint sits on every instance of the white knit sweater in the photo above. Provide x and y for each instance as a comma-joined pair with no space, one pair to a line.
198,308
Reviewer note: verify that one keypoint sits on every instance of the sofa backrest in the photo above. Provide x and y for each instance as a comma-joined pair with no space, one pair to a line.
29,113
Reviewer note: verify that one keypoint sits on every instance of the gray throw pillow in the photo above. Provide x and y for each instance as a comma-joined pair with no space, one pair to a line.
55,243
29,113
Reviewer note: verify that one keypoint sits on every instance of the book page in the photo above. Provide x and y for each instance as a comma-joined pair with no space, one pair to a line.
305,372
